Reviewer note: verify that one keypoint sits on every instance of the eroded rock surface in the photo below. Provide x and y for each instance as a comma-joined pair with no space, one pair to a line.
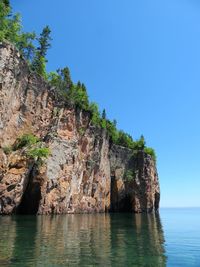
84,173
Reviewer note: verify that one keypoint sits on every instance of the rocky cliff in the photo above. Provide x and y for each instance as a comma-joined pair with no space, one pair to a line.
84,171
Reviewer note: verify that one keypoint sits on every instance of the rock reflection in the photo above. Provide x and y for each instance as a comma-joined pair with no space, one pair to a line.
74,240
137,240
82,240
7,240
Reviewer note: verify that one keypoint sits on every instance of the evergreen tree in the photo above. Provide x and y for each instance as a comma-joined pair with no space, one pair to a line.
104,114
139,144
39,61
66,77
79,85
25,45
14,29
44,41
4,12
115,123
6,3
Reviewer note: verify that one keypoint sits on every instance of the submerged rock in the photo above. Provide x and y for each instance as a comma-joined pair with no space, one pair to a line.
83,173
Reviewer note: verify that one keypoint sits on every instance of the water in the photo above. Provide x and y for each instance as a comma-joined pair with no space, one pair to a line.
171,239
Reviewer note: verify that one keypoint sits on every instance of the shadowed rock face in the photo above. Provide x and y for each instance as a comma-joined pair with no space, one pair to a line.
84,173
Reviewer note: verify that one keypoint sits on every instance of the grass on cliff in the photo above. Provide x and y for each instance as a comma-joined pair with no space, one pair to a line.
34,49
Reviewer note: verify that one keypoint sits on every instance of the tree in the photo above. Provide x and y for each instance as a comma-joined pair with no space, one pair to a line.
6,3
14,26
4,12
39,61
112,131
44,41
61,79
115,123
94,109
125,140
25,45
104,114
140,144
66,77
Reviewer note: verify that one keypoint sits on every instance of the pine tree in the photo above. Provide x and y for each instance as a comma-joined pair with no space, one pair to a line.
44,41
79,84
66,77
39,61
26,46
6,3
4,12
104,114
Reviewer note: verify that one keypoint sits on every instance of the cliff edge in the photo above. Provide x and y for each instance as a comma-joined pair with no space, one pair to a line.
84,172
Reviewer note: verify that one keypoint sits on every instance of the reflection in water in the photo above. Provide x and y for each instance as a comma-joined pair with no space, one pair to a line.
82,240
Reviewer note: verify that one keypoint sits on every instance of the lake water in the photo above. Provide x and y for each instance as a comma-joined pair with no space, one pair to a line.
169,239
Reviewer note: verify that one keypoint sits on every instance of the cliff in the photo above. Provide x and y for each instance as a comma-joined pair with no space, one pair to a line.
84,171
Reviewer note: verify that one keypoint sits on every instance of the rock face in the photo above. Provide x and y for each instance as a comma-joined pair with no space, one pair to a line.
84,173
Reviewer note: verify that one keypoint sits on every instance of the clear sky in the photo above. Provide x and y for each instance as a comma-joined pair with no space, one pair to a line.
140,60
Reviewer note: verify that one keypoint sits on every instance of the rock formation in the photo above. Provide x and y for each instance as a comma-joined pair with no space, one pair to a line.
84,172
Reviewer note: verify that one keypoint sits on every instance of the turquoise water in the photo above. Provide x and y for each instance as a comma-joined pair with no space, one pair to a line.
171,239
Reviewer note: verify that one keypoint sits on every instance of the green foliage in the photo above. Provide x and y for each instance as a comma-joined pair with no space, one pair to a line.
81,130
32,147
103,124
11,30
74,94
4,12
129,175
7,149
104,114
39,60
25,45
39,153
77,96
14,29
112,131
140,144
125,140
66,78
94,109
151,152
25,140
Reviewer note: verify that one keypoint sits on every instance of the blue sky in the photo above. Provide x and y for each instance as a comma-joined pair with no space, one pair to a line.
140,60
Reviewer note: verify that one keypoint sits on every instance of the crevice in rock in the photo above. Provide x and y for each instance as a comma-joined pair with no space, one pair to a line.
119,200
31,197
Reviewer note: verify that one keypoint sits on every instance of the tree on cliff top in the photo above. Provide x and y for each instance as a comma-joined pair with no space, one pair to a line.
6,3
4,12
75,94
11,30
39,61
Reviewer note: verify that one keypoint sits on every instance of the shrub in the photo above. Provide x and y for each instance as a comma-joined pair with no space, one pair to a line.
39,153
81,130
7,149
150,151
125,140
129,175
25,140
